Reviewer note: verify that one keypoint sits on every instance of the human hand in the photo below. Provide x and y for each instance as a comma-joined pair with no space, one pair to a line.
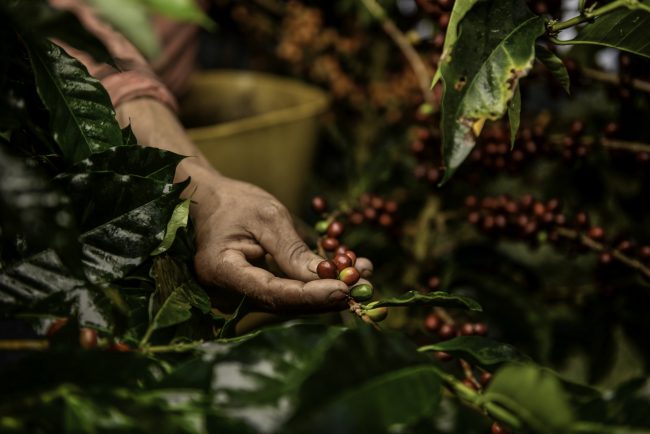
237,223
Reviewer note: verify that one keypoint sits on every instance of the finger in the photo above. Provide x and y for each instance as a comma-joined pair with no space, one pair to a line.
364,266
293,256
276,294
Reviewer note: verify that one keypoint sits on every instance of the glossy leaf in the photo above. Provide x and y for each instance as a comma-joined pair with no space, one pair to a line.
514,115
438,298
32,209
534,395
177,221
480,79
136,160
98,197
111,250
82,116
34,279
478,350
228,329
461,7
624,29
555,65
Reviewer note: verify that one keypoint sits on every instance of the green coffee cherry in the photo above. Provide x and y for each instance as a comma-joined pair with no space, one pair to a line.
378,314
321,226
361,292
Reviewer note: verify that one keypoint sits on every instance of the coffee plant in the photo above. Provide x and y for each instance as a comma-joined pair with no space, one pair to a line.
489,157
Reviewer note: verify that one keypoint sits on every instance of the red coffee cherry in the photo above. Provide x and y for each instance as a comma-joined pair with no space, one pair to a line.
391,206
329,244
432,322
498,429
385,220
596,233
87,338
446,331
335,229
433,283
341,249
485,378
356,218
56,326
342,261
480,329
443,357
326,270
319,204
353,256
119,347
349,276
467,329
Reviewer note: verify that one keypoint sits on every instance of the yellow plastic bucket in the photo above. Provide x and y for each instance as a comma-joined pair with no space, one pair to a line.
256,127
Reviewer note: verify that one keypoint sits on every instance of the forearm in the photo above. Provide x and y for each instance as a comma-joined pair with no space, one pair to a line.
155,125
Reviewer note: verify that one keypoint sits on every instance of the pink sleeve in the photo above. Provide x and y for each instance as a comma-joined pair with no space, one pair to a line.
135,78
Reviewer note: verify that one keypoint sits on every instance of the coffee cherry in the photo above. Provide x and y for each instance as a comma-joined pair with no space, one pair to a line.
446,331
443,356
596,233
321,226
342,261
326,270
362,292
485,378
356,218
480,329
498,429
370,213
644,252
330,244
385,220
581,219
319,204
335,229
341,249
119,347
433,283
432,322
56,326
87,338
467,329
605,258
349,276
391,206
353,256
378,314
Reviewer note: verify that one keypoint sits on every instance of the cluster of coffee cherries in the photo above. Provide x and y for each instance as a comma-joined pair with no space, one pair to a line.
88,339
425,147
340,262
535,220
521,218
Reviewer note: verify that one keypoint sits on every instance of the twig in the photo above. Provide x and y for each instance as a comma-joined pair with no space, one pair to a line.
420,70
619,145
173,348
599,247
614,79
358,311
469,373
24,345
555,27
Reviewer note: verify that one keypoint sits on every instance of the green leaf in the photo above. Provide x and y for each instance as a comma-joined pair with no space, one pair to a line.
146,162
228,329
514,115
624,29
175,310
478,350
461,7
34,279
555,65
438,298
533,394
367,382
481,78
98,197
178,220
32,209
181,10
82,117
111,250
130,18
